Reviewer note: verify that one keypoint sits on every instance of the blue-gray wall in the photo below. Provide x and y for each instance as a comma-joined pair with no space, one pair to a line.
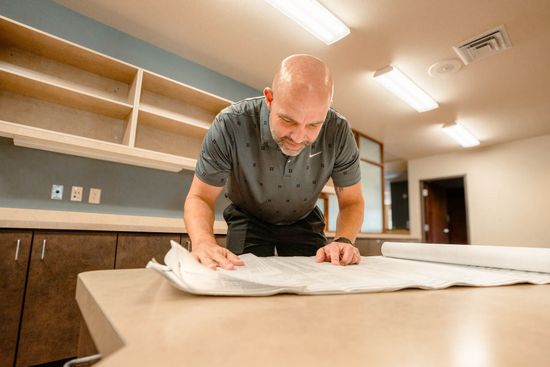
26,175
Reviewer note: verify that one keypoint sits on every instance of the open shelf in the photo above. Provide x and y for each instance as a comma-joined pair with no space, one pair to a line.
172,89
43,139
173,117
18,35
21,81
163,140
172,121
175,107
34,112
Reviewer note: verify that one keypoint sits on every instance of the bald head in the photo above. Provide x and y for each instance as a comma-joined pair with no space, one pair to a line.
303,76
298,102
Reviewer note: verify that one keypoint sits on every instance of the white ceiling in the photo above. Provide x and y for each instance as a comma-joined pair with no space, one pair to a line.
501,98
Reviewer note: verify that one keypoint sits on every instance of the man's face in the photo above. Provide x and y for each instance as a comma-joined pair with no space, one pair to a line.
295,122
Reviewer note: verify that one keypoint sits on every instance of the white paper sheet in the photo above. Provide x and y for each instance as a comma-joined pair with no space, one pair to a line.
432,267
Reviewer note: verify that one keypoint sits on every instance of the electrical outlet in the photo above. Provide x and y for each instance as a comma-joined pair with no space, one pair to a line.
95,196
76,193
57,192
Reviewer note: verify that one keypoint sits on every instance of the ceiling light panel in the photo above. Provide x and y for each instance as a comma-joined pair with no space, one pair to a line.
461,135
399,84
313,17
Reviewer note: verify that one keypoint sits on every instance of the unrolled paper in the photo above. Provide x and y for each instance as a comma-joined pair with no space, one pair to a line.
403,265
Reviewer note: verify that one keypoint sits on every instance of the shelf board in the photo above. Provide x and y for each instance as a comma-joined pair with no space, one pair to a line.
37,138
172,89
22,81
41,43
171,121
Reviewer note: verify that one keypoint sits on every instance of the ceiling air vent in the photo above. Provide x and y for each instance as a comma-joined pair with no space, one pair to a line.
486,44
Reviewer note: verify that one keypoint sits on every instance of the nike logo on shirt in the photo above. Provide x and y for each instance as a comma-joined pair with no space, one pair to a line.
313,155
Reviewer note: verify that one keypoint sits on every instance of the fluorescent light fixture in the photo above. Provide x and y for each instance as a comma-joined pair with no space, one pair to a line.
460,134
314,17
399,84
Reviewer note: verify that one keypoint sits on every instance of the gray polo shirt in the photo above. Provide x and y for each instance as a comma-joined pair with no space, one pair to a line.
239,151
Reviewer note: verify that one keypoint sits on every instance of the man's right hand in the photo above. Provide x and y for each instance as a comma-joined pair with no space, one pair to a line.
213,256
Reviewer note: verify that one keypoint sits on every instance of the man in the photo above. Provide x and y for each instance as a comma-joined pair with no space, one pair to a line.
276,153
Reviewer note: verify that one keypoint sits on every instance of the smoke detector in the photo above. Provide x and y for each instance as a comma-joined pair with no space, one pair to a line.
489,43
445,67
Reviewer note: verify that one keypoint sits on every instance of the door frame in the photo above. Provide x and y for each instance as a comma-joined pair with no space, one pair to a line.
422,209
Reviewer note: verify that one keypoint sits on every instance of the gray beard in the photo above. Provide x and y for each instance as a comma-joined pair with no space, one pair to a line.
282,148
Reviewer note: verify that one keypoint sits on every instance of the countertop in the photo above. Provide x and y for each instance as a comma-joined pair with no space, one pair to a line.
69,220
137,319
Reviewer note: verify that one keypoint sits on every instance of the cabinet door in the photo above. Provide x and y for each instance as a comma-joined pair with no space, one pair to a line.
221,240
185,241
50,324
134,250
14,258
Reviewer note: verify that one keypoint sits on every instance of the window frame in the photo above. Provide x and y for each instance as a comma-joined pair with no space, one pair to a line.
357,136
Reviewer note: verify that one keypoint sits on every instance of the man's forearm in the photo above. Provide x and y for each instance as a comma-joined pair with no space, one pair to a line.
199,220
349,221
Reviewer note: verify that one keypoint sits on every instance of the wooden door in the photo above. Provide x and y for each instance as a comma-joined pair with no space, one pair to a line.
444,211
456,209
15,247
435,213
135,250
51,319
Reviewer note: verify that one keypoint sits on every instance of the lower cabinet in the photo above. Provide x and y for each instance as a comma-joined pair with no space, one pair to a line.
369,247
134,250
14,258
221,240
38,281
373,246
50,322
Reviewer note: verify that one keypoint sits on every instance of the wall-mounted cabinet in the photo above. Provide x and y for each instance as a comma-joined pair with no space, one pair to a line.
62,97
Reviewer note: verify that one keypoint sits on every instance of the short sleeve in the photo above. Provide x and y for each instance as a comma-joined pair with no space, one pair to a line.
215,159
346,170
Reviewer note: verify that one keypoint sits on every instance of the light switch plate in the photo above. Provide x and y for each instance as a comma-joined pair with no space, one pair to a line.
95,196
57,192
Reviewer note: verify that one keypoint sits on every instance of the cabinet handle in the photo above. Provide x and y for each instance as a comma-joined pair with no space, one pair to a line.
43,250
188,243
17,250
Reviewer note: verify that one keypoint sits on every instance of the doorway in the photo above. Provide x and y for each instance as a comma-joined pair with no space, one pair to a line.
444,211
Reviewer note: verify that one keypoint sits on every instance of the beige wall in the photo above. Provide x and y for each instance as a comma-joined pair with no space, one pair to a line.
507,191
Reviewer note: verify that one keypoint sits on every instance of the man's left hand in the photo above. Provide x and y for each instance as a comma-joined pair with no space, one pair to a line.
338,253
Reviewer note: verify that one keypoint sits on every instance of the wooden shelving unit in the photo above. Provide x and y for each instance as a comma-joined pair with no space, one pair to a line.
58,96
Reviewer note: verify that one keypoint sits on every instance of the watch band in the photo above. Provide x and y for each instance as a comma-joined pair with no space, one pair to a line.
343,240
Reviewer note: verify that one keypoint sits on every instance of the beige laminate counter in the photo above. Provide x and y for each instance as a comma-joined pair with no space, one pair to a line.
68,220
56,219
137,319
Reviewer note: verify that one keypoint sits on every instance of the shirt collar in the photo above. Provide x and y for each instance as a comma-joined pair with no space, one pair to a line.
265,132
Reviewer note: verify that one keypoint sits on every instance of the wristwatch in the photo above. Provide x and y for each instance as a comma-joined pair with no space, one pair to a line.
343,240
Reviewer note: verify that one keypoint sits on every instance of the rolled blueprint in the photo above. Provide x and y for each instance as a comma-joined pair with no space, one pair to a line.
516,258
